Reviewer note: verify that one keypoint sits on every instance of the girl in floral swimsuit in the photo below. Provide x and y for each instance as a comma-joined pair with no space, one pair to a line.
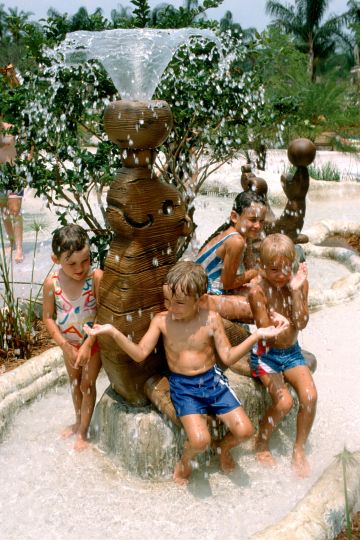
70,295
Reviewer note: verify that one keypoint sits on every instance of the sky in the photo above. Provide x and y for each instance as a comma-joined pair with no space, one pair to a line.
246,12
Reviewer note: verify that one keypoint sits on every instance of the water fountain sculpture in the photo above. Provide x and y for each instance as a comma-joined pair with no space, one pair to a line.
146,215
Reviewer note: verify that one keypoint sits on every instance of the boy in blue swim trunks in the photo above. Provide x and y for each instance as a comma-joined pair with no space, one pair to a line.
192,336
285,292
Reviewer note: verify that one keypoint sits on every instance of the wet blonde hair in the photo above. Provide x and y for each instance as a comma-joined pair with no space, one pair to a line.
188,278
277,246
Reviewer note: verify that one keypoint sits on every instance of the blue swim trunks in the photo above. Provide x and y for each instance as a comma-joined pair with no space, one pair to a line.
208,392
276,360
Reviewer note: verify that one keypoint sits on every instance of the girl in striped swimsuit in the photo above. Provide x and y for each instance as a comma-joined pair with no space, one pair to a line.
228,260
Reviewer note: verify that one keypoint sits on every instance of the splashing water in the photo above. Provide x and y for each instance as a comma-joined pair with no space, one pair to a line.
134,59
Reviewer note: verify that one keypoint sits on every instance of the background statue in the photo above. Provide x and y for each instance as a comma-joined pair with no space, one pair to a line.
301,153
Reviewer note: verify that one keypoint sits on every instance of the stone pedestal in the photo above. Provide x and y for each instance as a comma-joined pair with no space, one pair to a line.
144,442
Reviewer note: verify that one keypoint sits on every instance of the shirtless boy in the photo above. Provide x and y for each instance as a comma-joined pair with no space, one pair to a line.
191,337
285,292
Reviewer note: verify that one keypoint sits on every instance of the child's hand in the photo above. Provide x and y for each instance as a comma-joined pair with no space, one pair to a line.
83,356
70,353
277,318
272,331
298,279
98,329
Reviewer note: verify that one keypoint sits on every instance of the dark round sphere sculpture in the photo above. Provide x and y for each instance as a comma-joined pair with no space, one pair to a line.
301,152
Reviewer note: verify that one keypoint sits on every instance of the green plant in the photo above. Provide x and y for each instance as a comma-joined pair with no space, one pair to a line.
327,171
215,107
16,316
347,460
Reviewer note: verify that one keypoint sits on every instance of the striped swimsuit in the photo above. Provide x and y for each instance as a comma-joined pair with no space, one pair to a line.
213,266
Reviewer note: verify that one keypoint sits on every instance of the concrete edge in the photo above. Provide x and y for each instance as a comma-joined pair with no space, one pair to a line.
318,232
23,384
320,514
344,288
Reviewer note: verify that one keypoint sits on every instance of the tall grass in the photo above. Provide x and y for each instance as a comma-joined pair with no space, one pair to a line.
326,171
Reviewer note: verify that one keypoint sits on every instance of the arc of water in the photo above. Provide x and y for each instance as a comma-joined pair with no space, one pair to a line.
134,59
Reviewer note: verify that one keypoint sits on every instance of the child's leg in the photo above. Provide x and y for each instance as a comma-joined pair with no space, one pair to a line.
198,440
281,405
16,226
75,378
240,429
300,378
232,307
89,374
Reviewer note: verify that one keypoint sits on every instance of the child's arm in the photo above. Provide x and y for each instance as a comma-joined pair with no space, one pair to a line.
228,354
259,307
51,326
234,250
137,351
299,288
84,353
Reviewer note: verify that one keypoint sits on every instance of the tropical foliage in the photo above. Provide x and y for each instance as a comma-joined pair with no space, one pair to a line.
259,97
304,21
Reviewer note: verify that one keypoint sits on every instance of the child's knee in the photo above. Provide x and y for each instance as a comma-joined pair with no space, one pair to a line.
244,429
75,383
248,430
87,387
308,398
200,441
285,402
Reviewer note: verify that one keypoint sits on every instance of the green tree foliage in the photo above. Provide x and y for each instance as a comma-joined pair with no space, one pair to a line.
14,29
255,98
121,17
304,109
141,13
214,105
304,21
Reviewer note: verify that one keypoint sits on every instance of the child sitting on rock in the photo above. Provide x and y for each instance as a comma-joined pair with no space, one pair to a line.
192,336
286,292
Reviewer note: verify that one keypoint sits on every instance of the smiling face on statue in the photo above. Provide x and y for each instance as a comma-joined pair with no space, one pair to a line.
149,210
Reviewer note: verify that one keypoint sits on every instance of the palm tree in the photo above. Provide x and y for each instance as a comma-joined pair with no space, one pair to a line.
16,22
2,21
303,21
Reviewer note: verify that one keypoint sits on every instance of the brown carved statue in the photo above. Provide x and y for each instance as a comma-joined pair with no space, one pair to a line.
147,217
301,152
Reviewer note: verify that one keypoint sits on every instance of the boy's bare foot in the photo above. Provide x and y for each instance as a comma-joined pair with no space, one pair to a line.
227,462
266,458
69,431
182,473
81,443
262,452
300,463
